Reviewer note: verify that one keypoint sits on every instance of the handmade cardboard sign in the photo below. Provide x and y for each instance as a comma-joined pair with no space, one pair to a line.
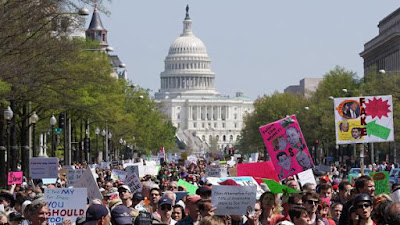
286,146
233,200
65,203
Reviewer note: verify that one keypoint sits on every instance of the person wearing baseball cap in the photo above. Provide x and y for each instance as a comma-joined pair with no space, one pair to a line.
97,214
120,215
125,195
165,212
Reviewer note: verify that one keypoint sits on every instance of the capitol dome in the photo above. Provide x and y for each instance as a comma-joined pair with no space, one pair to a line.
187,45
187,69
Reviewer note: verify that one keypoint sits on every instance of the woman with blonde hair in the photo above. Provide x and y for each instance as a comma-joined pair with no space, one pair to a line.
271,211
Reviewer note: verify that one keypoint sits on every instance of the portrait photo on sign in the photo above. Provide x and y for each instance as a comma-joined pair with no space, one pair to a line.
279,143
344,126
351,110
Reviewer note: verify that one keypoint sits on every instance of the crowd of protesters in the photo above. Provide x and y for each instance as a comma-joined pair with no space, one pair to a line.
332,201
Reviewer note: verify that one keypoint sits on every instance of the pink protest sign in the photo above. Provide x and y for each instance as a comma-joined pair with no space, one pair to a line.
14,178
286,146
258,169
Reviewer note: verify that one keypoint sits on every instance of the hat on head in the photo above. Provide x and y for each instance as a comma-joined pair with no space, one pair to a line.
192,199
229,182
164,201
203,190
9,197
15,216
138,196
121,215
94,213
124,187
362,198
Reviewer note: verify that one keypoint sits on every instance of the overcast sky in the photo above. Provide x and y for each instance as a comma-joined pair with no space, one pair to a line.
256,46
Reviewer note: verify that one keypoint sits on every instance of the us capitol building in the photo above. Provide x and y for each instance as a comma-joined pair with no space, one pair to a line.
189,98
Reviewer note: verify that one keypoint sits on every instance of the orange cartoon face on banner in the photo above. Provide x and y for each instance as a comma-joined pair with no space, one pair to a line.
349,109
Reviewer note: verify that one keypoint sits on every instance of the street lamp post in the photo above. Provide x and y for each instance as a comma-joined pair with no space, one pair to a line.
121,141
34,120
103,133
97,132
53,122
110,144
8,115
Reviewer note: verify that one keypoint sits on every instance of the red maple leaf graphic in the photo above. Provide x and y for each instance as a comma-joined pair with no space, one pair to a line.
377,108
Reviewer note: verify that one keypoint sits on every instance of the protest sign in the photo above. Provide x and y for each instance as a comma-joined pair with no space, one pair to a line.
118,174
253,157
189,187
73,175
242,181
41,167
49,181
233,200
381,180
277,188
364,119
258,169
307,177
87,181
132,169
14,178
216,171
105,165
286,146
65,203
133,183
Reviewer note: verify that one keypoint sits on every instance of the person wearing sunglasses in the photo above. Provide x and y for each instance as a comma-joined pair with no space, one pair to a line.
363,207
310,202
165,212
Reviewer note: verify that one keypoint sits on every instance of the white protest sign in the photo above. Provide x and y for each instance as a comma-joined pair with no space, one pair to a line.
133,183
216,171
150,170
87,181
95,175
40,167
306,176
73,176
233,200
105,165
133,169
118,174
253,157
124,165
65,203
242,181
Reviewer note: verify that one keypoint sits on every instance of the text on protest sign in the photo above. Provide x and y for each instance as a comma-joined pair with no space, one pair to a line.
364,119
87,181
14,178
40,167
233,200
133,183
286,146
216,171
65,203
73,176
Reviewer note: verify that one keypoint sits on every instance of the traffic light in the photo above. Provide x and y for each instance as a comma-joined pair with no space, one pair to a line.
61,120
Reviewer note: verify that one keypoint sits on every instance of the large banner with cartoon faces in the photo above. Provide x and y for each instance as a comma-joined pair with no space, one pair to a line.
364,119
286,146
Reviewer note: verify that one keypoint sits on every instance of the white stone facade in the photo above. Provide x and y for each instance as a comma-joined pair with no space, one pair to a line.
189,98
